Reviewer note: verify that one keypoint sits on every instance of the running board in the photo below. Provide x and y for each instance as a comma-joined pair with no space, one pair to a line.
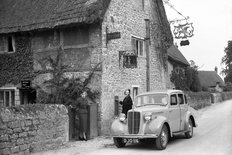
179,132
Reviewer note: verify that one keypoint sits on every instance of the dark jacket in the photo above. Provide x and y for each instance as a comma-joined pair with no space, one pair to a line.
82,104
126,104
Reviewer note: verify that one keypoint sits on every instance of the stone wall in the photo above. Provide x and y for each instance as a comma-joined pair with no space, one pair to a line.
202,99
32,128
219,97
198,100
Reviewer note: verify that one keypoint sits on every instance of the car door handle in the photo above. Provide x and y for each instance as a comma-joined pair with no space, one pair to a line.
170,110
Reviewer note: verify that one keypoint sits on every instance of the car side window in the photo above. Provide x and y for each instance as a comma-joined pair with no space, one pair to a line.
180,98
173,99
186,101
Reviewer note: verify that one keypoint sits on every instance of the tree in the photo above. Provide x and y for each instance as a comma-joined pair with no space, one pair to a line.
193,82
63,90
187,80
227,61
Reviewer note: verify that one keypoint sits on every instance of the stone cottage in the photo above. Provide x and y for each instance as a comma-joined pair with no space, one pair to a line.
129,38
211,80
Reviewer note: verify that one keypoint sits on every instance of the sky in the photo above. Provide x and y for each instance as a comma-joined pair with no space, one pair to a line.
212,22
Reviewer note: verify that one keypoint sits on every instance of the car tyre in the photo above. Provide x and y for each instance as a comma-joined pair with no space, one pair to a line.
189,133
119,142
162,140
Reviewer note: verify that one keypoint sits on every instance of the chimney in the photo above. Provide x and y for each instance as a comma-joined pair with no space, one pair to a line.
216,69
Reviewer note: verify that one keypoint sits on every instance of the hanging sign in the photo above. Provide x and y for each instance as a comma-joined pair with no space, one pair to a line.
183,31
113,35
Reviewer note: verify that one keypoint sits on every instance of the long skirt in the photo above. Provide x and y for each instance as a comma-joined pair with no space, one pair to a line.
83,122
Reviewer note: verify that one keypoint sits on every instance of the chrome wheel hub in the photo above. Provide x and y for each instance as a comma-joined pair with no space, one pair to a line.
190,129
164,138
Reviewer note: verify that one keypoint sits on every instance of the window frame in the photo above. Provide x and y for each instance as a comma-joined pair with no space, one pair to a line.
182,98
171,100
136,45
6,44
10,99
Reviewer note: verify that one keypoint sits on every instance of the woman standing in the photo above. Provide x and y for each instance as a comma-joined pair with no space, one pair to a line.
127,102
82,104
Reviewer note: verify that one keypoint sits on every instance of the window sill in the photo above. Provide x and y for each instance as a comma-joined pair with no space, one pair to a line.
46,49
7,52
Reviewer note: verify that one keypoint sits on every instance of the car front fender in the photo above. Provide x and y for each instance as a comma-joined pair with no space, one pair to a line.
155,125
118,128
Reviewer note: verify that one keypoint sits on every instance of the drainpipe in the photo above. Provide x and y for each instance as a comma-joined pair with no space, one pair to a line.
147,43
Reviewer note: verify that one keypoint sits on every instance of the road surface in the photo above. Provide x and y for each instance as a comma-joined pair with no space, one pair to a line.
213,136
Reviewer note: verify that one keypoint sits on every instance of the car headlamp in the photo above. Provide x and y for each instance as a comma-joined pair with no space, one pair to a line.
148,116
122,117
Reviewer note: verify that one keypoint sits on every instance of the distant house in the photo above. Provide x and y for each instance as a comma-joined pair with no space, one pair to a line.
176,62
129,38
211,80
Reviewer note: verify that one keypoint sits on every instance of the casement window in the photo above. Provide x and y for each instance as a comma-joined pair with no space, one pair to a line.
138,46
7,44
7,98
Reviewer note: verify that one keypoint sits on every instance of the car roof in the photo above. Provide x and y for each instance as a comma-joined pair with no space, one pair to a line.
166,91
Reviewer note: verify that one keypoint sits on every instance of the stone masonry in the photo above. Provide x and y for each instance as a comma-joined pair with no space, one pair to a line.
128,18
32,128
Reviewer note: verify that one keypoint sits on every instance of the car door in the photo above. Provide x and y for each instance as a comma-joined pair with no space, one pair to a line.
174,113
183,109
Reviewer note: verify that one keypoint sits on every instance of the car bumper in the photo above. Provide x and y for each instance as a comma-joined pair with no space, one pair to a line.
136,136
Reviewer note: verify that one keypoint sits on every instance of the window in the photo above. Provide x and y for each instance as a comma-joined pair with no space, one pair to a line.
7,98
186,101
7,44
138,46
75,36
173,100
180,98
45,40
135,91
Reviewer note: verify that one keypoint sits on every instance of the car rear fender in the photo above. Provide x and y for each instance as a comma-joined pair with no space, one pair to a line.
190,116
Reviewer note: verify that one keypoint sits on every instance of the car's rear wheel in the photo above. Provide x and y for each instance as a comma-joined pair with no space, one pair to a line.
162,140
119,142
189,133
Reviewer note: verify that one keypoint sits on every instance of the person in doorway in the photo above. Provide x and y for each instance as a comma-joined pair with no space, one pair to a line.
82,104
127,102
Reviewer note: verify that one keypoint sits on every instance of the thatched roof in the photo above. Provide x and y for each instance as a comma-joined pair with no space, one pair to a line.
27,15
210,78
175,54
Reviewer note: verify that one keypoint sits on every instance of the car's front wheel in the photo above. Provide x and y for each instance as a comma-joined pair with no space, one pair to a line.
189,133
119,142
162,140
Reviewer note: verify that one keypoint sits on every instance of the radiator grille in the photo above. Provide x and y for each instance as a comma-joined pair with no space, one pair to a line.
133,122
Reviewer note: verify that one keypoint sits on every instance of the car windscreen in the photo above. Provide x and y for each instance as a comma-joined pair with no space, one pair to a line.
151,99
